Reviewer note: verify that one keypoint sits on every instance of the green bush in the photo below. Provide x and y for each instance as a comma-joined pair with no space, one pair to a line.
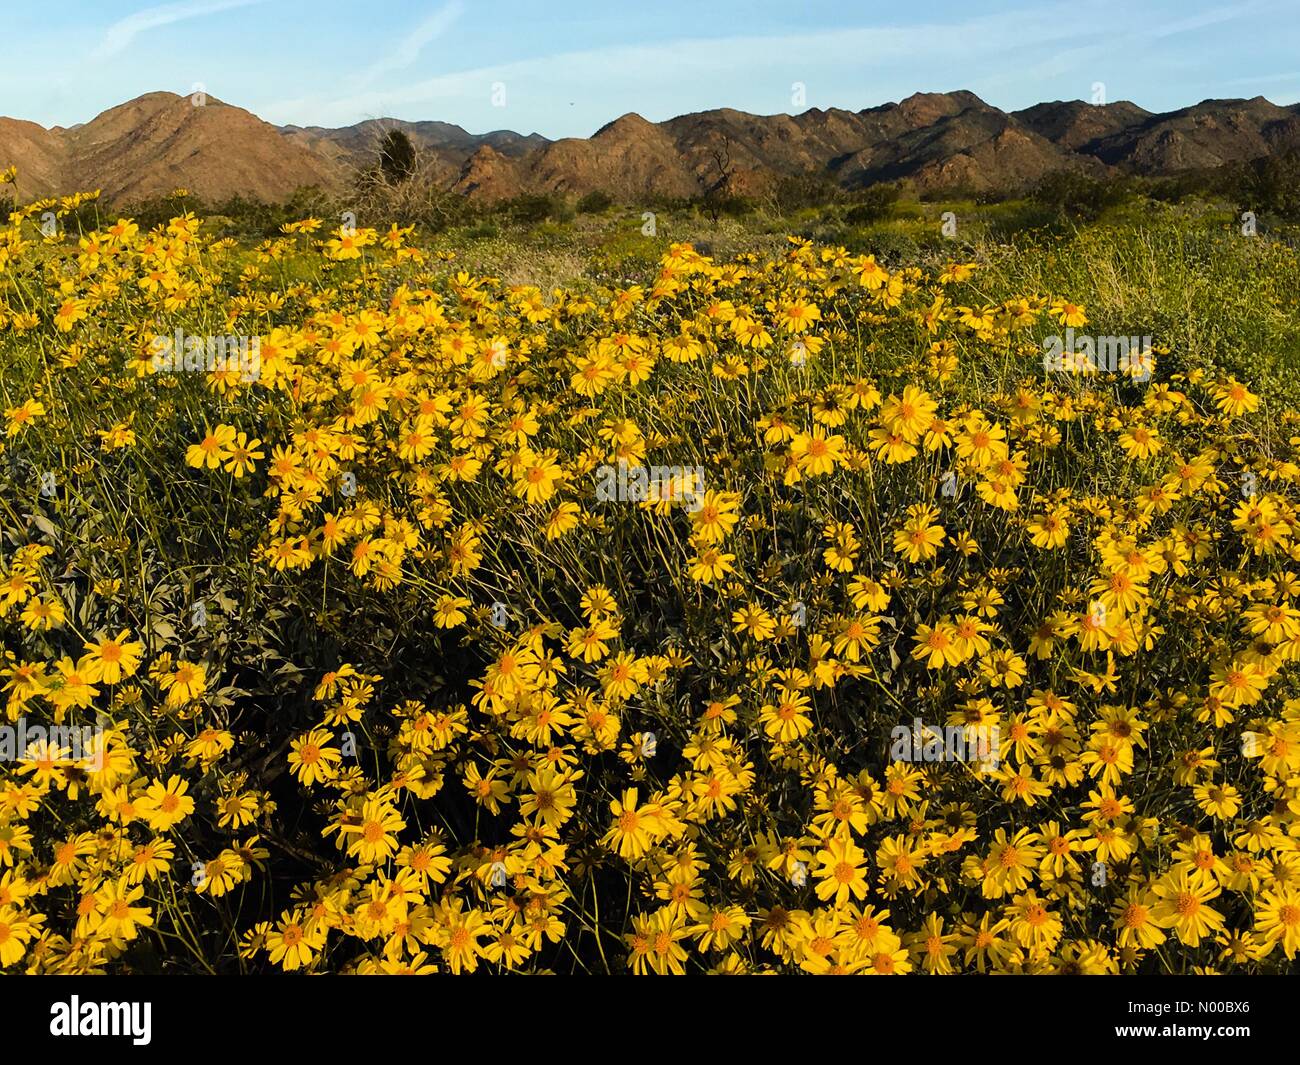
1270,183
798,191
595,202
1071,194
872,204
534,208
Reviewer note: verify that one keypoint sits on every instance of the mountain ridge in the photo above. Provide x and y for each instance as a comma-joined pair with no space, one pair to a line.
148,146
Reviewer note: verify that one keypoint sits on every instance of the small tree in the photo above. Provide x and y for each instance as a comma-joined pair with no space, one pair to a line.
717,188
396,157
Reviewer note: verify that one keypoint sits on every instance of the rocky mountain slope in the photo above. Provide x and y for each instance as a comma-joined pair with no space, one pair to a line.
934,141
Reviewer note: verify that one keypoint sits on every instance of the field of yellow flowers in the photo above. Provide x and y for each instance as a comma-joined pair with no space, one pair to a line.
443,625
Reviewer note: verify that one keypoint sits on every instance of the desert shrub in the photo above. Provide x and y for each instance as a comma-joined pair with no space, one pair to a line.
889,245
534,208
1077,195
595,202
397,158
873,204
1270,183
718,205
796,192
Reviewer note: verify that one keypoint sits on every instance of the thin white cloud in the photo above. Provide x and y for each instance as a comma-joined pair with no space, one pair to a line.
1214,17
408,51
1101,45
119,36
713,61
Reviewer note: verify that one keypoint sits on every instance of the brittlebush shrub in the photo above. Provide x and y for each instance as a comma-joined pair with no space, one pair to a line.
480,627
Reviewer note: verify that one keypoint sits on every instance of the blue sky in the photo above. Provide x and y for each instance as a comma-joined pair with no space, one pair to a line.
565,68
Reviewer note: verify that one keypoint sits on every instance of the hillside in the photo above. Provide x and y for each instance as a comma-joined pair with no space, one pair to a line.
932,141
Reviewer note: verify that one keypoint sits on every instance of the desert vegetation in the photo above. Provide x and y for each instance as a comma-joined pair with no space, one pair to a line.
430,586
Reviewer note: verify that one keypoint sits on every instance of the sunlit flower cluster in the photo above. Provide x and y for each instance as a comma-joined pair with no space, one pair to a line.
380,685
